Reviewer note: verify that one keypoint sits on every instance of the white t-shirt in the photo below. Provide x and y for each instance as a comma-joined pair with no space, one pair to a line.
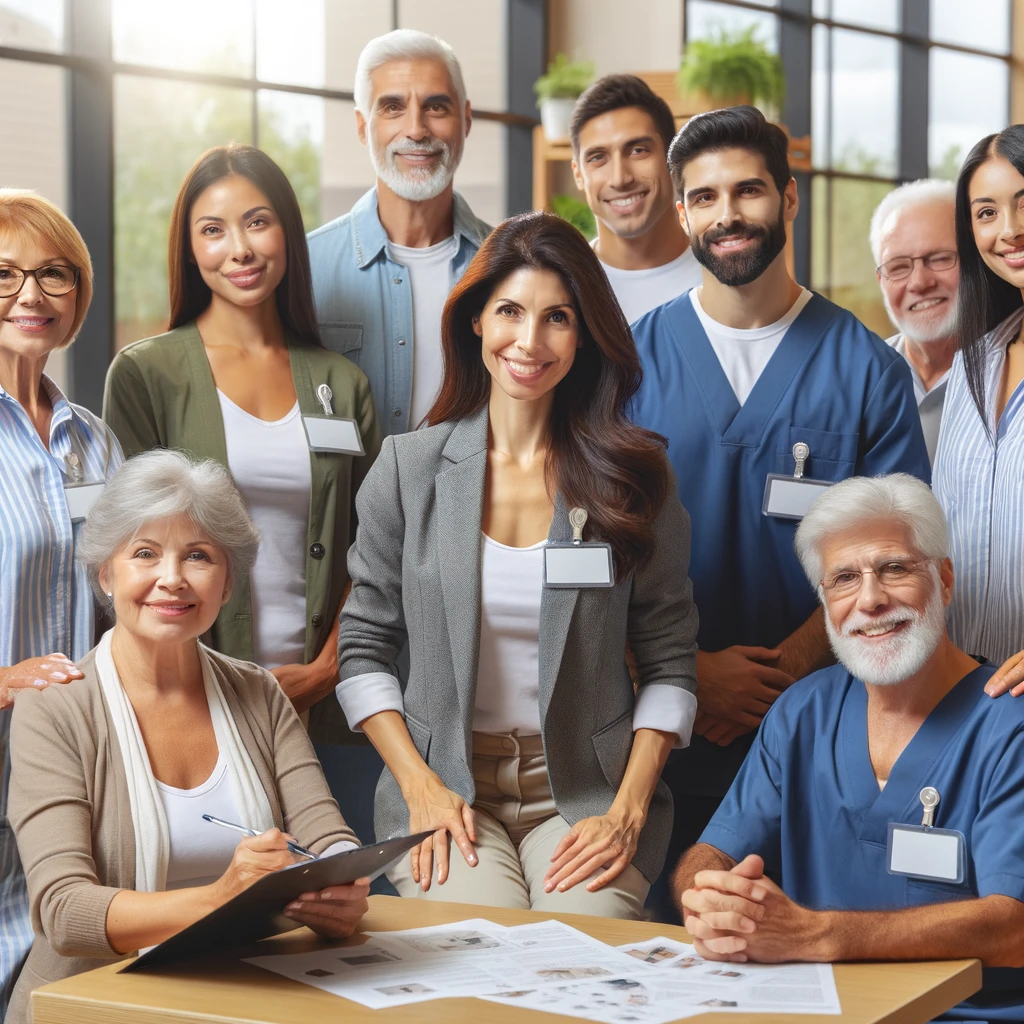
430,280
200,851
745,353
270,464
640,291
507,678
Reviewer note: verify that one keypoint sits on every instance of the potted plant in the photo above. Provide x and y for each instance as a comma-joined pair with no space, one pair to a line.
576,212
557,92
734,67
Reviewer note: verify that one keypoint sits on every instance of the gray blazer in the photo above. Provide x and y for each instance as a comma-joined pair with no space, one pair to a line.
415,569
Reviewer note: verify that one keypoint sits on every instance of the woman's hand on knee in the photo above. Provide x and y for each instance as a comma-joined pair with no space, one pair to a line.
432,805
607,841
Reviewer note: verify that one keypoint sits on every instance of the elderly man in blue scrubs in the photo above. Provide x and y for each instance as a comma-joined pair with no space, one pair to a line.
880,813
761,389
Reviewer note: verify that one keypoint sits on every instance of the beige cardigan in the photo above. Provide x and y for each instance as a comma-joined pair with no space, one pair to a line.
71,814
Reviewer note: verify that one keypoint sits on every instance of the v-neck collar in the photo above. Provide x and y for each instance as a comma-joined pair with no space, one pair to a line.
745,424
899,800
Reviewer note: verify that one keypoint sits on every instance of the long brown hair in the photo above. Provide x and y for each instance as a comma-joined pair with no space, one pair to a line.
190,294
598,459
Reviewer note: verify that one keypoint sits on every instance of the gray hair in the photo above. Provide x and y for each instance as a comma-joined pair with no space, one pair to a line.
405,44
163,484
914,193
897,497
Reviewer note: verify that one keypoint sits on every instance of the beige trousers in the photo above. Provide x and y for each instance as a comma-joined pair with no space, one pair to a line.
517,830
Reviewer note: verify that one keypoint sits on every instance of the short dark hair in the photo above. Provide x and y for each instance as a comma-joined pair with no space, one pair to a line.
732,128
614,92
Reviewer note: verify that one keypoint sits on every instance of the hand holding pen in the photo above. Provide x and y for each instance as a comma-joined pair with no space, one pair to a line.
292,845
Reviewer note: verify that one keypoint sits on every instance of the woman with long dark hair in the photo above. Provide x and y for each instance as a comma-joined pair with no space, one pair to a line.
979,467
241,377
518,734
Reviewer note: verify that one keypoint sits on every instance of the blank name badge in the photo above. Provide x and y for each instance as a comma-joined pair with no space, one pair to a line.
333,434
569,565
790,497
81,498
933,854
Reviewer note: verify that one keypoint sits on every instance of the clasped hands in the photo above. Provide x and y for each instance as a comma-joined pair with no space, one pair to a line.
741,915
606,841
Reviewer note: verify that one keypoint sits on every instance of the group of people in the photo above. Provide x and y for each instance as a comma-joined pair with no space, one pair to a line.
620,557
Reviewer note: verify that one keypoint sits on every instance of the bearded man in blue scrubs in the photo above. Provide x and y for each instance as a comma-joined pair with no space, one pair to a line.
739,374
880,813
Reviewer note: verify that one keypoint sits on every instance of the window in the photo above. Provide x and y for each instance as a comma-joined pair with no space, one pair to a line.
860,52
32,24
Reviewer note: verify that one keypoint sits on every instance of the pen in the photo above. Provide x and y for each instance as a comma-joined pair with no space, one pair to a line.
294,847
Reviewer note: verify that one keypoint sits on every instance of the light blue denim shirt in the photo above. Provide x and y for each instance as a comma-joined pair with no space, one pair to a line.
364,300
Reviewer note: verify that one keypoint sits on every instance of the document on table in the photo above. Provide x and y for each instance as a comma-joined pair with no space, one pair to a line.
552,967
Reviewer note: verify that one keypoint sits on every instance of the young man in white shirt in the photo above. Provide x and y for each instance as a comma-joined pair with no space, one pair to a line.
913,239
620,132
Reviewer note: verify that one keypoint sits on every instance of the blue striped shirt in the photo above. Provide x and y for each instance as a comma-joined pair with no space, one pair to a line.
46,604
979,481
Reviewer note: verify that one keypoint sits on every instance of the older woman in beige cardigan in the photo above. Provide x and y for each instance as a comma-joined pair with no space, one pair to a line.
111,774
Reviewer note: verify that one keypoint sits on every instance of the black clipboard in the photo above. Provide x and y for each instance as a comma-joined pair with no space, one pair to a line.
256,913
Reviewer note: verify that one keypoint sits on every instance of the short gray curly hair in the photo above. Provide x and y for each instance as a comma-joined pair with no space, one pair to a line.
162,484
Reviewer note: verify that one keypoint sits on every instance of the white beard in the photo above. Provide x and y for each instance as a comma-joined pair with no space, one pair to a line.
938,332
416,184
897,658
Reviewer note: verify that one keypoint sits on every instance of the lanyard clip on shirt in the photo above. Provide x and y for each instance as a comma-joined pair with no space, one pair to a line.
790,497
80,496
330,433
577,564
924,851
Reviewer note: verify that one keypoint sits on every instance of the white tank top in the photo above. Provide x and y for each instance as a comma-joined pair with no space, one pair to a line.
507,679
270,464
200,851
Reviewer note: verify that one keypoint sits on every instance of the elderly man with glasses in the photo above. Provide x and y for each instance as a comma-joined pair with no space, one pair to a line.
880,813
913,240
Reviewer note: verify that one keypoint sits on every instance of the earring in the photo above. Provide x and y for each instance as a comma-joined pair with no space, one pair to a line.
110,594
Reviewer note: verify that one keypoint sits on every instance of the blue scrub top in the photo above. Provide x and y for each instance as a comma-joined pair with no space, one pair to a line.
832,384
807,801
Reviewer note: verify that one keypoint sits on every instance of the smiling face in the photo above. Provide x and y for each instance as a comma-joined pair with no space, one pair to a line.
237,241
32,323
168,583
734,215
923,305
883,633
415,128
530,331
996,194
622,170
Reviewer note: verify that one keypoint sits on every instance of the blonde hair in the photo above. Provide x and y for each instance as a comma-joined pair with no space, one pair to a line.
26,216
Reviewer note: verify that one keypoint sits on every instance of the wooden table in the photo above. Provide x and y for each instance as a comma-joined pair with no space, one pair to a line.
227,991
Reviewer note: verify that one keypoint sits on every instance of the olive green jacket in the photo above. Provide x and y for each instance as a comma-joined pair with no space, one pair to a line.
160,393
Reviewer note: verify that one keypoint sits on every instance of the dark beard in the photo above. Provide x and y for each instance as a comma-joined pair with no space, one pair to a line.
747,266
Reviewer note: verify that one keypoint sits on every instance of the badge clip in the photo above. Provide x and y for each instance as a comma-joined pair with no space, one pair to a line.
74,466
324,395
576,563
801,453
929,801
577,520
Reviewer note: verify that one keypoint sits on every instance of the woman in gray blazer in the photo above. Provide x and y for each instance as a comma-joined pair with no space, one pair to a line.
520,734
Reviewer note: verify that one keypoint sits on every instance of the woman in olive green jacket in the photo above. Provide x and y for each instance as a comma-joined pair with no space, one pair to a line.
241,378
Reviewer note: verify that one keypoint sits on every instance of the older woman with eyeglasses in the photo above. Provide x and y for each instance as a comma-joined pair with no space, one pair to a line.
56,457
112,774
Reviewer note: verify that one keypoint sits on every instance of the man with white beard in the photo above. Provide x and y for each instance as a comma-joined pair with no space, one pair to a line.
913,240
880,813
382,272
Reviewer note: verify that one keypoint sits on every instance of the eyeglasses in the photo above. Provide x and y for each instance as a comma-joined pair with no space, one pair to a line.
892,573
53,279
903,266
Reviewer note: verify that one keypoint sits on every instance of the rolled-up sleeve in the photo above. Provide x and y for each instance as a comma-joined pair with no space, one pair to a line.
667,709
369,694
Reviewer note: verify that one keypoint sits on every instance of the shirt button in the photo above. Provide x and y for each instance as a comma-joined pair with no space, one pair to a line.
317,550
318,619
401,341
396,413
397,280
